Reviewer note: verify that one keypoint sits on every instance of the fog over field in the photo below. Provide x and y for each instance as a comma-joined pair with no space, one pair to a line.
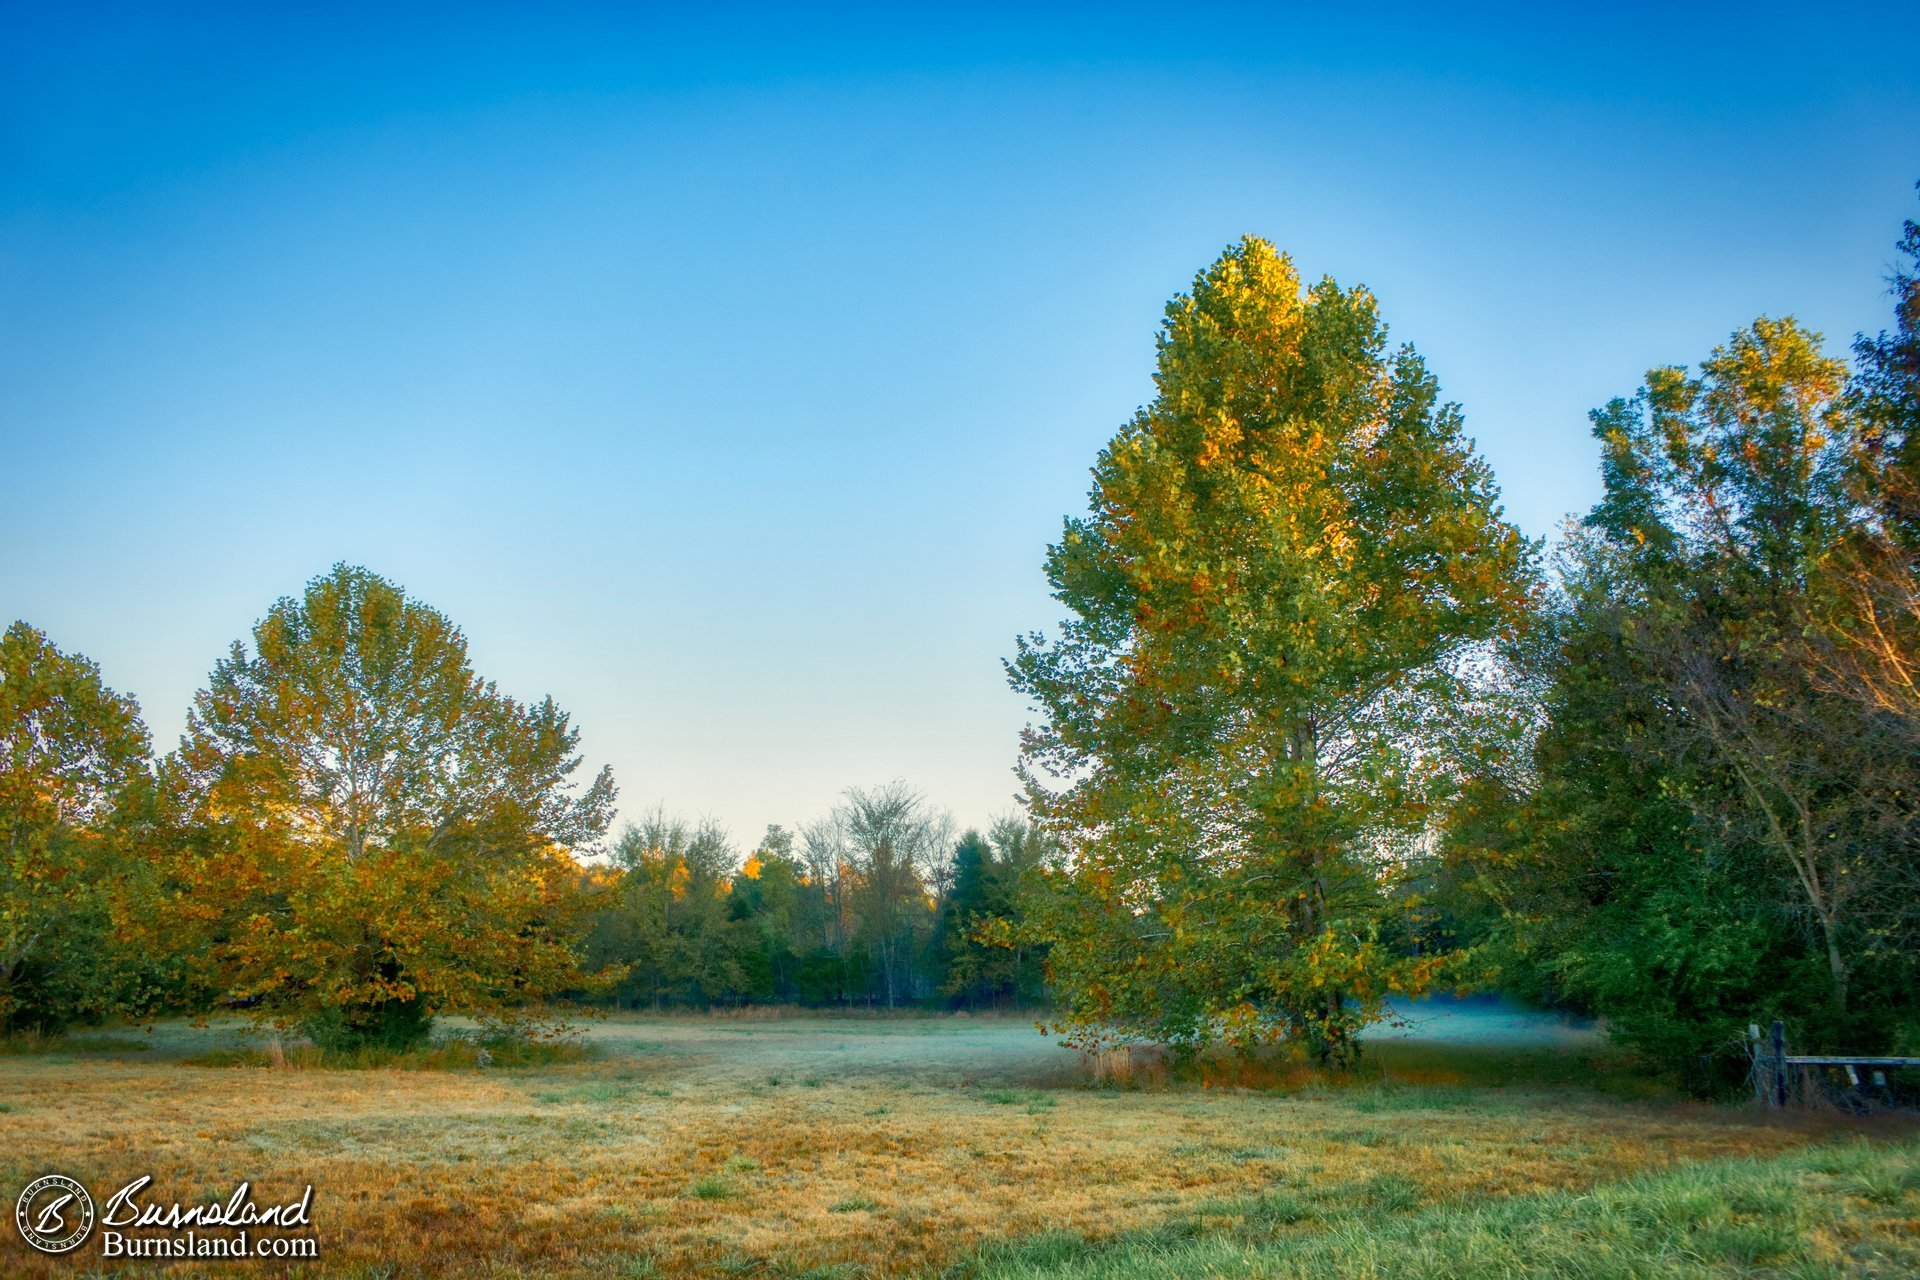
852,1145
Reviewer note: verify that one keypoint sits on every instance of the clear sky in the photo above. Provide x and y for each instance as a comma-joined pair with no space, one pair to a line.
725,375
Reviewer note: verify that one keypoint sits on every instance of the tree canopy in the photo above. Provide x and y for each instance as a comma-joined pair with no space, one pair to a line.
70,751
1288,556
378,833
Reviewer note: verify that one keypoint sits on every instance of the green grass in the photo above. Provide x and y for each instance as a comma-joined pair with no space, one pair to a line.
712,1186
1035,1100
1824,1212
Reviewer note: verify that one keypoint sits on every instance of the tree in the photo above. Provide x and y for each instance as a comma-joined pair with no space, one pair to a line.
890,844
668,920
71,750
773,902
984,953
1289,556
379,834
1605,892
966,974
1868,650
1741,484
1716,835
1886,397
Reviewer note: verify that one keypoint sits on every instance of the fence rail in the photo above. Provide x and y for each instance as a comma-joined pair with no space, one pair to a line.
1771,1082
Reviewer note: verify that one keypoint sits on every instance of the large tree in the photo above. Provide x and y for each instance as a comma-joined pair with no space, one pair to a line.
379,833
1289,557
71,750
1716,832
1869,649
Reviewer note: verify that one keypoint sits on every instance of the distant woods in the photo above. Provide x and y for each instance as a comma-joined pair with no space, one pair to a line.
1318,729
878,904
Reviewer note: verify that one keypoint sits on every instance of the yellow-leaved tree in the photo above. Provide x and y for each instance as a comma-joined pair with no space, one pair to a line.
373,834
71,753
1254,707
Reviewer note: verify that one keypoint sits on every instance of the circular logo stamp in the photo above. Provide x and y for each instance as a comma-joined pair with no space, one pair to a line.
54,1214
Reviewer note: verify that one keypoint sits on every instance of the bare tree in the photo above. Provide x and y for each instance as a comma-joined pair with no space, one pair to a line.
895,846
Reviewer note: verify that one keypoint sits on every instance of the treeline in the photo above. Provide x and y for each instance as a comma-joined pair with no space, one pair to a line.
356,833
877,905
1320,727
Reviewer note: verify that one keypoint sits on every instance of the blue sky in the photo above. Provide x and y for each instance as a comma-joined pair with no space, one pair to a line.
725,375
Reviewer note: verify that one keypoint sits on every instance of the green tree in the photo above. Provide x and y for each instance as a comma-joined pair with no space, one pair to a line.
1605,891
772,901
379,834
71,751
985,956
668,920
1714,835
1289,557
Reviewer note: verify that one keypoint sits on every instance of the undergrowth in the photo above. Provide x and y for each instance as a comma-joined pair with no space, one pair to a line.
32,1043
456,1052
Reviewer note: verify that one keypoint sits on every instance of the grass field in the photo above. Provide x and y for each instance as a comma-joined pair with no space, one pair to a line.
850,1146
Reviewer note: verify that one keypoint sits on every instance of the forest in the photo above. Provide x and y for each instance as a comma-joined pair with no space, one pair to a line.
1318,728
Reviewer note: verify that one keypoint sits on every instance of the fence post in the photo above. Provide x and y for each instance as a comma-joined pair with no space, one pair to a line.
1779,1063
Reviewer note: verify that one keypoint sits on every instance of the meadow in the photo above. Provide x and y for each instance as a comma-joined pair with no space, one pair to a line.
848,1146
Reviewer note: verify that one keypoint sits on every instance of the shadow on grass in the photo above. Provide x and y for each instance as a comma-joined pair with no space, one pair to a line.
1392,1075
451,1053
25,1044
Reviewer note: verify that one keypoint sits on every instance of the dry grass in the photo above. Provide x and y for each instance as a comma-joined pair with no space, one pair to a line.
691,1147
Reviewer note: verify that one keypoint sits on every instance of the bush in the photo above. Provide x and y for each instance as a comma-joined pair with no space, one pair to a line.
394,1026
459,1051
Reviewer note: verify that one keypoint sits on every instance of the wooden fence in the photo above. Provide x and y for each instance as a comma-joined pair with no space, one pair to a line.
1773,1065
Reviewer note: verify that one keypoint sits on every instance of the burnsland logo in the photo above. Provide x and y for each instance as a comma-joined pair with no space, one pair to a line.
55,1215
